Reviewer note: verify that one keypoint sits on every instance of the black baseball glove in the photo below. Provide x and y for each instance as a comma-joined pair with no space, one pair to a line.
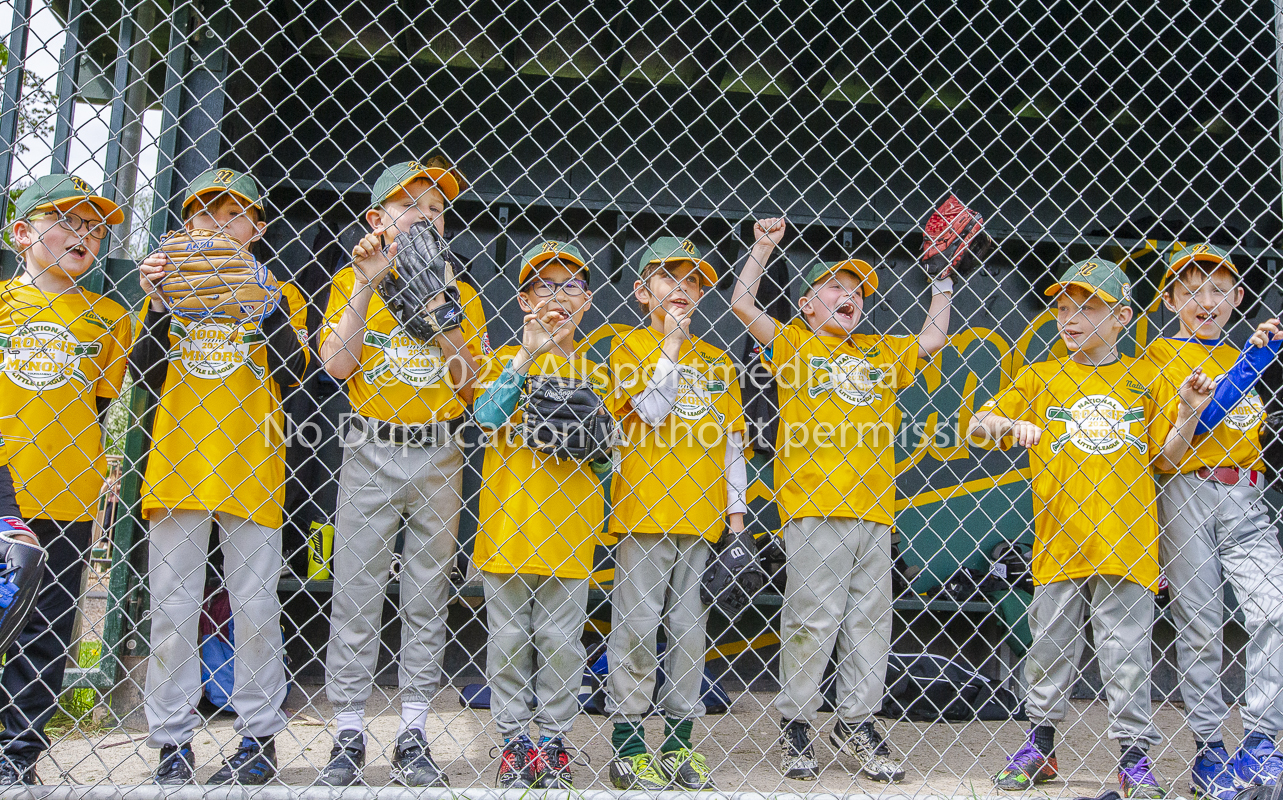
1271,427
954,241
422,269
22,567
732,575
566,418
1255,791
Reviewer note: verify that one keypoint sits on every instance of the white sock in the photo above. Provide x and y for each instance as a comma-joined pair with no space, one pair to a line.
413,715
349,721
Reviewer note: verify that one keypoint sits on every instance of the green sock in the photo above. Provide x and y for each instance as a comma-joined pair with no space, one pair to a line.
676,735
628,739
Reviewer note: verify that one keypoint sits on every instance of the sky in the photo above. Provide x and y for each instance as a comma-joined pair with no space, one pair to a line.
90,123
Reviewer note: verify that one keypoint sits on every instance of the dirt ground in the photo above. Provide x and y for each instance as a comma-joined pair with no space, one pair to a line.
741,746
942,759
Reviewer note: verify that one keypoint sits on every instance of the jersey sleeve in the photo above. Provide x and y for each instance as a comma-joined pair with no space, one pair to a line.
496,396
1164,400
1163,358
298,318
783,348
489,365
599,352
340,293
905,351
115,358
735,417
1015,402
474,321
626,373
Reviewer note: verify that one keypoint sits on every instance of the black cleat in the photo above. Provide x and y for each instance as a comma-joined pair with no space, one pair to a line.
176,764
556,765
797,754
518,764
412,765
347,758
18,770
253,764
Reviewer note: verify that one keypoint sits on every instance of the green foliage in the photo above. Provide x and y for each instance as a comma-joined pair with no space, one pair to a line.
118,420
78,703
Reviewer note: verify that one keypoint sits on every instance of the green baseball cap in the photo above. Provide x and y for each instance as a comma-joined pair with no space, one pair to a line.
1208,253
546,251
860,269
60,192
219,181
397,176
225,181
667,249
1098,276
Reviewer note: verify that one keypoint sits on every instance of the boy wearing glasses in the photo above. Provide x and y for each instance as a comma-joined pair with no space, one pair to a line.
64,360
541,519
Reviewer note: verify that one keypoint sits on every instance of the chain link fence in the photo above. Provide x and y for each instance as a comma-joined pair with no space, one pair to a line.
261,543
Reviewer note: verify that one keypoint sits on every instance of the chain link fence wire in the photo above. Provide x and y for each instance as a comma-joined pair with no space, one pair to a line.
285,553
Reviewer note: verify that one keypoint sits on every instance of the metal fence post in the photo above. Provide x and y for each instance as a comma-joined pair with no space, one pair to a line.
68,79
14,71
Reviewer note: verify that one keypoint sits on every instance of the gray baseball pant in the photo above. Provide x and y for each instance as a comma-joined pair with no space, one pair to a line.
381,486
1122,616
657,580
531,616
178,545
1211,533
837,601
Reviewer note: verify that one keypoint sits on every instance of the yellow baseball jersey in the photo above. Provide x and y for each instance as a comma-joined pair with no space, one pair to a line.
1236,441
672,478
1094,509
402,379
538,515
218,439
61,351
835,449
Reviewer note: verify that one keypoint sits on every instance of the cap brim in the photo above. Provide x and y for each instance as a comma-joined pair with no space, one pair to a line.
112,214
530,266
860,269
1057,288
443,178
705,268
247,201
1177,266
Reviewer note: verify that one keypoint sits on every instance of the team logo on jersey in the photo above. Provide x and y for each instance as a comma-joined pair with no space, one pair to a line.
214,350
44,355
851,378
695,394
1099,425
406,359
1249,413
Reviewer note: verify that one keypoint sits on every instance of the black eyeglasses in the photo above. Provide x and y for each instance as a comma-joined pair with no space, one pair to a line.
573,287
72,223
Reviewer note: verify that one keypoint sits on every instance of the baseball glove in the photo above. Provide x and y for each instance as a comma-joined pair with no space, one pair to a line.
422,269
954,241
22,567
1256,791
210,276
565,418
1271,427
732,576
